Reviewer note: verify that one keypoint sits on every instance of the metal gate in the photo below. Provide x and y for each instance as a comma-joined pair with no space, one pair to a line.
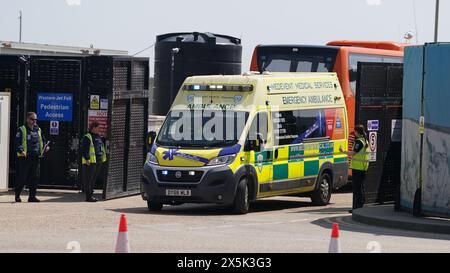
111,89
379,108
128,127
13,80
116,183
136,142
58,76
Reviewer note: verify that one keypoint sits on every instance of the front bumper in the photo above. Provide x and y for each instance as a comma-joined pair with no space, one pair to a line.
216,185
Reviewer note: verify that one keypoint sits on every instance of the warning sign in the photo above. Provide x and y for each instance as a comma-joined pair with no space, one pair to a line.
95,102
101,116
373,146
422,125
54,128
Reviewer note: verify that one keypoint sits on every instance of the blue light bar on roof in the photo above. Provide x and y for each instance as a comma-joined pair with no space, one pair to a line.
219,87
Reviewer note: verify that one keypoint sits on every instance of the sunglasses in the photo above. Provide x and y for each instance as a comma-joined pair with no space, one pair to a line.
33,119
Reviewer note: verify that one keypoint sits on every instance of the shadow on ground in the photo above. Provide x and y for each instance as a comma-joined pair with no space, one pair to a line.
48,196
264,205
347,224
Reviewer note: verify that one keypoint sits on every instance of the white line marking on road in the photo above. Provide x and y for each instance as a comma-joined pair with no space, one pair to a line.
299,220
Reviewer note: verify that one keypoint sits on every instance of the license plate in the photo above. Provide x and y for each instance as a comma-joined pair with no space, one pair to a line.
172,192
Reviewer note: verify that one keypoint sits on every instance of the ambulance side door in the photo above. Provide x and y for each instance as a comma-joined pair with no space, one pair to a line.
261,158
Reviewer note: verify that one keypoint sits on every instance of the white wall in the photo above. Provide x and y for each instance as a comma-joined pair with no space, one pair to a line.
4,140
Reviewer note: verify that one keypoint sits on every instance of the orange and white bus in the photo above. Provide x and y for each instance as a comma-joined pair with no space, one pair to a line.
341,57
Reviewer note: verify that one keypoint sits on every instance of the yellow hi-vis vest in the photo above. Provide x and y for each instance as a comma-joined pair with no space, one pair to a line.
92,157
23,129
360,160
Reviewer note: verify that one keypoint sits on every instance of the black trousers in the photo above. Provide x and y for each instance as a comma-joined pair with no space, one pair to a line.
90,175
358,188
27,174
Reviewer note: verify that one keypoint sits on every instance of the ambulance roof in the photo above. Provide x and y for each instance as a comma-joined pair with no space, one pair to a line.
283,90
255,77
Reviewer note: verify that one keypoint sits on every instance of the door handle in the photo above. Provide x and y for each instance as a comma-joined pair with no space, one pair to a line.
276,153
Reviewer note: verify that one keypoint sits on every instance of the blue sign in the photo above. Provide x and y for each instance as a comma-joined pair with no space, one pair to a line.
54,106
373,125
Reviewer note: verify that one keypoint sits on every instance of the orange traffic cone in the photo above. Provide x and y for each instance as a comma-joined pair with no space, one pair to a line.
335,245
123,245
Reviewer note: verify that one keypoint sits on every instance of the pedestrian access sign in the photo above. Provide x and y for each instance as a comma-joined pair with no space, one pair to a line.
55,106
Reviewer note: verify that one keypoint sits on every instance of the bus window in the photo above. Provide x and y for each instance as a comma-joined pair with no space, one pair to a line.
277,64
391,59
296,58
353,60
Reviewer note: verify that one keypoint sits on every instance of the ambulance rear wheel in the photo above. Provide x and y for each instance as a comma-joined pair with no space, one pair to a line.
154,206
322,195
241,202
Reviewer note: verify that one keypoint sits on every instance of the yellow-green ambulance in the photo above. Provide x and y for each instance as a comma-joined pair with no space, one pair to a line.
233,139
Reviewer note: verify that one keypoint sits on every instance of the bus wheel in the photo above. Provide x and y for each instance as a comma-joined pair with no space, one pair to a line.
241,202
321,196
154,206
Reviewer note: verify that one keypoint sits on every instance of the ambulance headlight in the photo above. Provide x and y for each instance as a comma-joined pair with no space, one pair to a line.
222,160
151,159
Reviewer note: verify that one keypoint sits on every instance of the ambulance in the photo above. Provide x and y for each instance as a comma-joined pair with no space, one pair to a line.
233,139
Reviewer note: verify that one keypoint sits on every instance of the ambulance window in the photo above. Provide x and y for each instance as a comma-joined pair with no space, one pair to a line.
293,127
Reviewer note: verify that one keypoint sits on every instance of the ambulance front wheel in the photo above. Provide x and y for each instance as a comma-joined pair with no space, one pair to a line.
154,206
321,196
241,202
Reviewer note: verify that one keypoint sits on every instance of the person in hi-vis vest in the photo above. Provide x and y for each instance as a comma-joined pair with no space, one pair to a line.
30,148
93,153
359,165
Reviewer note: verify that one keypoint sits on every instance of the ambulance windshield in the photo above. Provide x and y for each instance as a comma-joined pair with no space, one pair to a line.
202,128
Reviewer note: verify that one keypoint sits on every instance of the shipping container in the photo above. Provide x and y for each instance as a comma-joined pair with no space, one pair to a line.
425,168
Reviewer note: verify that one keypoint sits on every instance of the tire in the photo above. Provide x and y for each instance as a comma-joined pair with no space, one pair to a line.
322,195
241,202
154,206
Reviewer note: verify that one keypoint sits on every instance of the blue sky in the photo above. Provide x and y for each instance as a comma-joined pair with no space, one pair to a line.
132,25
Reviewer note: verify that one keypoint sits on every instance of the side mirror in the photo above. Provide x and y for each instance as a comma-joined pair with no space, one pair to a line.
261,139
254,145
151,138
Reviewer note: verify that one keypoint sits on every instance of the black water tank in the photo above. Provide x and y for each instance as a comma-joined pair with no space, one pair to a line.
194,54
